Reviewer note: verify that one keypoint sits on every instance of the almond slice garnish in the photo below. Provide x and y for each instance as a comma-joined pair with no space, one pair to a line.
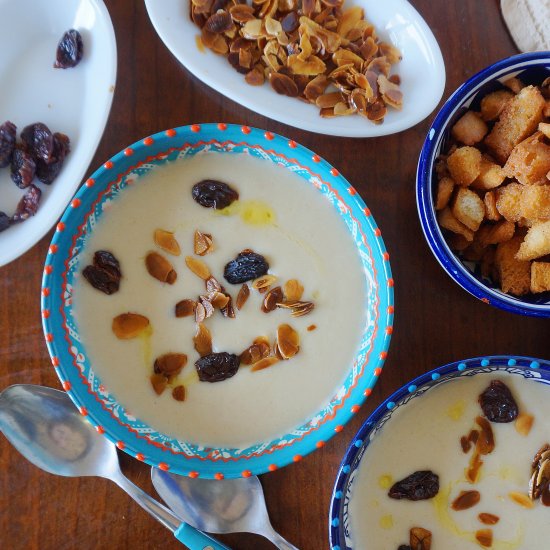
185,308
203,340
263,283
293,290
167,241
264,363
521,499
178,393
272,298
219,300
198,267
298,308
242,297
485,537
202,243
170,364
160,268
524,423
465,500
129,325
159,383
288,341
488,519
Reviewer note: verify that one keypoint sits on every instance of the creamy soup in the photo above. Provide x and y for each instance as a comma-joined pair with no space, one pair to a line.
425,435
278,215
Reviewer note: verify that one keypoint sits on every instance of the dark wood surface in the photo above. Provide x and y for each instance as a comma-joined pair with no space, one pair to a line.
436,321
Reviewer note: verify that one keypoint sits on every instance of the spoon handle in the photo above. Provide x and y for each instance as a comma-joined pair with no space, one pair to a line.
191,537
277,540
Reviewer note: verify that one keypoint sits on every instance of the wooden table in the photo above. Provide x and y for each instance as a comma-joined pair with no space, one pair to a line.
436,321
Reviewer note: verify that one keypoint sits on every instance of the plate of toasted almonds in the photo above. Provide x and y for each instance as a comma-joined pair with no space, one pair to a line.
355,68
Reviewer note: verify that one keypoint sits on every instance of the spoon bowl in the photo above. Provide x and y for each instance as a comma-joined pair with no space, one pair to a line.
219,506
47,429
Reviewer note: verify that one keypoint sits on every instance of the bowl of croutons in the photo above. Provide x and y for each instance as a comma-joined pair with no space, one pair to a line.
483,185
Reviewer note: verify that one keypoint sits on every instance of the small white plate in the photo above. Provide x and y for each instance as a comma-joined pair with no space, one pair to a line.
422,69
73,101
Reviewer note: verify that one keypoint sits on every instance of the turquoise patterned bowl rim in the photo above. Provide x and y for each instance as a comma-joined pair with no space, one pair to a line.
339,520
68,354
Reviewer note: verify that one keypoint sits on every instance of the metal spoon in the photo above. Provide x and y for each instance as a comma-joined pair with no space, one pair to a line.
47,429
219,506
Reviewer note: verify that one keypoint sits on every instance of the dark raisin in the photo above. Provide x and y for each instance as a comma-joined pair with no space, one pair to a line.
498,403
420,485
69,50
245,267
8,132
217,366
106,261
5,221
23,168
47,172
38,141
290,22
28,205
101,279
105,273
214,194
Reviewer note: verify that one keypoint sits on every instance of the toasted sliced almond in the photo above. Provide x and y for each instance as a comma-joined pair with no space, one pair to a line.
465,500
420,538
167,241
200,313
202,243
129,325
524,423
212,285
272,298
252,354
228,310
521,499
208,307
198,267
298,308
185,308
220,300
288,341
178,393
170,364
264,282
485,537
203,340
311,328
242,297
160,268
159,383
488,519
264,363
293,290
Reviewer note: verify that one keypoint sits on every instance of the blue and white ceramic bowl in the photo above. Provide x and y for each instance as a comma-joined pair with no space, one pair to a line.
68,352
339,521
531,68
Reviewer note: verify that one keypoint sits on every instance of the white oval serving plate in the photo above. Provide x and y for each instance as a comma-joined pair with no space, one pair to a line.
73,101
422,69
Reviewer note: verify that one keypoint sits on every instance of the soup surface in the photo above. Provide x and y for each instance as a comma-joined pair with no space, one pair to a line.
278,215
426,434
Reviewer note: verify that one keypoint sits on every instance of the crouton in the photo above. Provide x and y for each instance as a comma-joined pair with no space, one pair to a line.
514,84
474,252
514,275
529,161
536,242
494,234
445,188
509,201
446,220
519,118
540,276
470,128
458,243
491,212
468,208
490,175
493,104
546,110
464,165
544,127
535,202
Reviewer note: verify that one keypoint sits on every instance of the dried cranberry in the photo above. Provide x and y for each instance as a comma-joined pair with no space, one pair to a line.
5,221
217,366
28,205
8,132
420,485
245,267
214,194
69,50
23,168
498,403
47,172
38,141
104,274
